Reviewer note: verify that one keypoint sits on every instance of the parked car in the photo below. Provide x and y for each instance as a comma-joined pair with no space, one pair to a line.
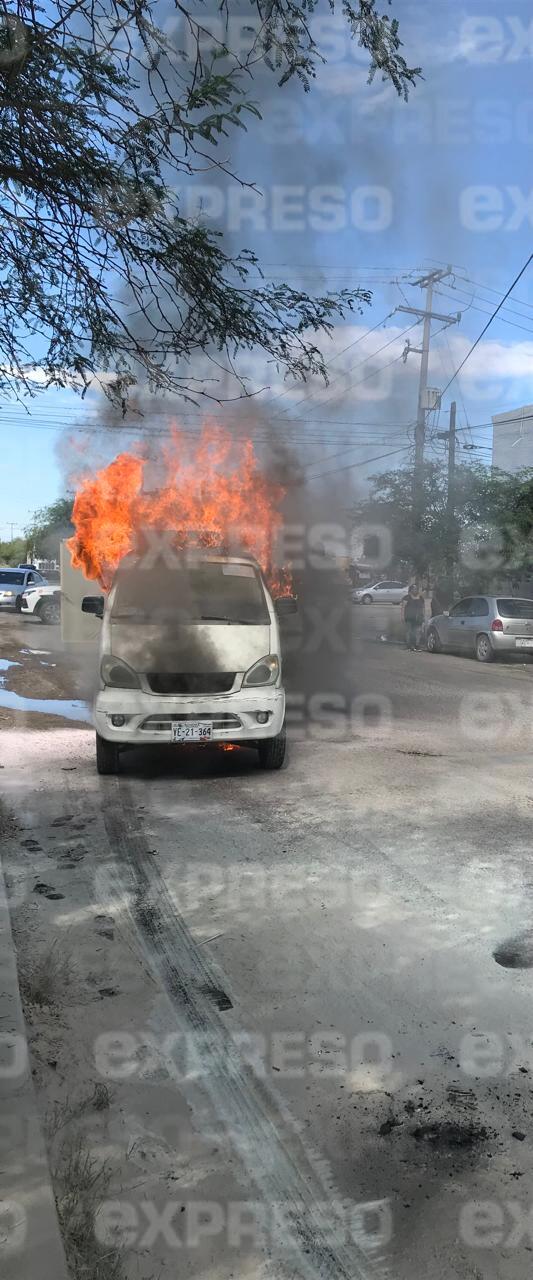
485,626
190,654
44,602
14,581
386,592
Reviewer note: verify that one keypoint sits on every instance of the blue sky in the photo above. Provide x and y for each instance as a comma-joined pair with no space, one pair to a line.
361,189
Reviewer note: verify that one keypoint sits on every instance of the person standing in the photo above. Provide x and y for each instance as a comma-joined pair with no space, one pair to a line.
414,615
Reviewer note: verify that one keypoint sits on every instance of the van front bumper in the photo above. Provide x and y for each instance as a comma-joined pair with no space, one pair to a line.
149,717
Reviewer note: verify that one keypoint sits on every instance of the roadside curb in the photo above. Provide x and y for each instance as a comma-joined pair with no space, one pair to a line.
30,1239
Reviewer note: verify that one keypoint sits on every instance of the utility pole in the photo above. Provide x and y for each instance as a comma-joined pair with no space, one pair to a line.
427,315
450,437
450,496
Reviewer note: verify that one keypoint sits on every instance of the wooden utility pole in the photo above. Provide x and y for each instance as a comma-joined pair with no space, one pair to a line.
450,437
450,496
427,315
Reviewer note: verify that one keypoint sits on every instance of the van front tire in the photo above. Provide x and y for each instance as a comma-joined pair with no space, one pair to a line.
106,756
272,751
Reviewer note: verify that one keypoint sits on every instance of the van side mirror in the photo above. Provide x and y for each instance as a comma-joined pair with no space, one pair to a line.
285,604
93,604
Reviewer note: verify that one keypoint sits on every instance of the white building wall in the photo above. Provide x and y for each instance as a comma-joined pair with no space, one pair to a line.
512,439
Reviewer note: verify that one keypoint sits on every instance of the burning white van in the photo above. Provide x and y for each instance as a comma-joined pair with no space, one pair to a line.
189,653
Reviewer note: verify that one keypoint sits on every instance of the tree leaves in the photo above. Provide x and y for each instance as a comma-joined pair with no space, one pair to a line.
102,123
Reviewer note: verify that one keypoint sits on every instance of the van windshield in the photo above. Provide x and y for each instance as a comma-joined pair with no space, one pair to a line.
211,591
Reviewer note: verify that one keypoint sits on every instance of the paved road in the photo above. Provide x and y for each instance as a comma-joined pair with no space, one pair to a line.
304,964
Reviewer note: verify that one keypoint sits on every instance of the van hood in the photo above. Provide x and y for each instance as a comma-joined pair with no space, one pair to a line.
187,647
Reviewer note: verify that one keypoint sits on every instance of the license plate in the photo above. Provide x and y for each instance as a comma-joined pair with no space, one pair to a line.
524,642
191,731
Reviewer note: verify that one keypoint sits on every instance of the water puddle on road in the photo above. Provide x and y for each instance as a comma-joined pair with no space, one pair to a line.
68,709
72,710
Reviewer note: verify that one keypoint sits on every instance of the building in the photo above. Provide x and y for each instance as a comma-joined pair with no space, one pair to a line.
512,439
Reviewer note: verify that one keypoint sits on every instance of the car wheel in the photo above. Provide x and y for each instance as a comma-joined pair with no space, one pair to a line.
50,612
484,650
106,756
366,600
272,751
18,604
433,643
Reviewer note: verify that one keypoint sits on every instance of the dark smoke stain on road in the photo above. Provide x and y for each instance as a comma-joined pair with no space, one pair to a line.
516,953
449,1135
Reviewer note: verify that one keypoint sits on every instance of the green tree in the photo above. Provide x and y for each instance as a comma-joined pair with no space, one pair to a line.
13,551
101,120
48,527
491,531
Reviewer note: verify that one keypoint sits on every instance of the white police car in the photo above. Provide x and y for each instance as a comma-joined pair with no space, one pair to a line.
44,602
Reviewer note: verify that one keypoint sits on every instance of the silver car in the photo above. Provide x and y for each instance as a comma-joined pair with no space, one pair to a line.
386,592
485,626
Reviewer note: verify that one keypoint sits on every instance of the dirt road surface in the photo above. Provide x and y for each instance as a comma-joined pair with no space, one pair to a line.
286,1017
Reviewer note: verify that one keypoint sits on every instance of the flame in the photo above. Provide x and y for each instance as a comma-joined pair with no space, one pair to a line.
210,493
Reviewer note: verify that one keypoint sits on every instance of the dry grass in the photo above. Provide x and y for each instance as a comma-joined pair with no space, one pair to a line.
81,1183
64,1113
45,978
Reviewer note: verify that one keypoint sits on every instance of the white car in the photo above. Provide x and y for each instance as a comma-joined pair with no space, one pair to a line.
386,592
190,654
44,602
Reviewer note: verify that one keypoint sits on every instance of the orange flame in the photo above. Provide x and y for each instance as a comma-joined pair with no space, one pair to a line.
211,493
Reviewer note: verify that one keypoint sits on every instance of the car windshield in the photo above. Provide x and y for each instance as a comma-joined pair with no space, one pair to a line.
211,591
11,577
515,608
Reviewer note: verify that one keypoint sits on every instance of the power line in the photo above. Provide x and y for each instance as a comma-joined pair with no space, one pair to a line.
350,386
348,449
457,270
363,463
489,289
489,322
474,307
305,436
337,355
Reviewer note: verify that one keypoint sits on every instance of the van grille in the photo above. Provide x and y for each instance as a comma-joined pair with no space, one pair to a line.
190,681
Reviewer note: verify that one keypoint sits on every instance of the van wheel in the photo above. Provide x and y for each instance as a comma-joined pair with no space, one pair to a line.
272,751
484,650
106,756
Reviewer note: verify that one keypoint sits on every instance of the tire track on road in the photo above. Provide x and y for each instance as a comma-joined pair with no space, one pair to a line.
266,1136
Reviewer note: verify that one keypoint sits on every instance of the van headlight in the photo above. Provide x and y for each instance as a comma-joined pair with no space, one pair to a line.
266,671
117,674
